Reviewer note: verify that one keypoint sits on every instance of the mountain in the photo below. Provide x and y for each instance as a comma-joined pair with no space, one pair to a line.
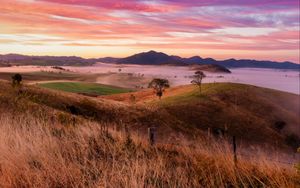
233,63
144,58
159,58
152,58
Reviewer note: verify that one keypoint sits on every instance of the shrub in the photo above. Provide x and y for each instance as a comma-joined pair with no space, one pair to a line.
279,125
292,140
16,79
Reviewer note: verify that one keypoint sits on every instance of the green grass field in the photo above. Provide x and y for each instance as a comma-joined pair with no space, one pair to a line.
84,88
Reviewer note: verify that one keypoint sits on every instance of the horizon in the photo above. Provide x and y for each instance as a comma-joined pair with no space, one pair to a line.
41,55
221,29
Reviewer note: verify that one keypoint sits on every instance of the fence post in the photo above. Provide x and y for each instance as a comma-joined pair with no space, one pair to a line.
234,150
151,135
225,130
208,132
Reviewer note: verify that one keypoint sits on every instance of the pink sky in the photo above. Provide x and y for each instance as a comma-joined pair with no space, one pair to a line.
254,29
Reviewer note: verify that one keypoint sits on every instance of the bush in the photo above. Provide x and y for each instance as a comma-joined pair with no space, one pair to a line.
293,141
279,125
16,80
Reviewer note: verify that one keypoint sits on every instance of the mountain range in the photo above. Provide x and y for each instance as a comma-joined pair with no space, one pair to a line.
158,58
144,58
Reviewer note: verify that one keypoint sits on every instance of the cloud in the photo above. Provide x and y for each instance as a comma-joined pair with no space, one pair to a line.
221,25
132,5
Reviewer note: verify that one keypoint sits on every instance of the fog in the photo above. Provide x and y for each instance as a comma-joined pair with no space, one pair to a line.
284,80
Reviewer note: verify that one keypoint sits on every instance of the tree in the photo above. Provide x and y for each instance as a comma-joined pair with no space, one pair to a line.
197,79
16,80
159,85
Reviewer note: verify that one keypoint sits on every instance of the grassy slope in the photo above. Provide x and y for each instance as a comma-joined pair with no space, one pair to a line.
248,112
81,87
42,76
37,77
43,145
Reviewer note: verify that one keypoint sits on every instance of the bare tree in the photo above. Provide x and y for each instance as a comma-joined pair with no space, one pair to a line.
197,79
159,85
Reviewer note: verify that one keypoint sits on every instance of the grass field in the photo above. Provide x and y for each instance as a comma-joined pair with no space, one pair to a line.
86,88
44,144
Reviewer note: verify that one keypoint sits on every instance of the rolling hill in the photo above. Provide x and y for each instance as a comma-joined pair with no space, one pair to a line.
80,142
248,112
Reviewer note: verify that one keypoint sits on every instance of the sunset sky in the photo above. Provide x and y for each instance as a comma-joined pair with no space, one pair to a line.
254,29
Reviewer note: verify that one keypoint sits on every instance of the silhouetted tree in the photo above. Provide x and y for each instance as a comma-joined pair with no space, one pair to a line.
159,85
16,79
197,79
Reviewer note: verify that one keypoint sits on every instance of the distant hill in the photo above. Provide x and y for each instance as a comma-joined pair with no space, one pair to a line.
144,58
16,59
159,58
209,68
152,58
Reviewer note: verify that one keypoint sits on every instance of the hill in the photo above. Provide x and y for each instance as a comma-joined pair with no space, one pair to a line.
152,58
159,58
209,68
144,58
16,59
240,110
248,112
54,139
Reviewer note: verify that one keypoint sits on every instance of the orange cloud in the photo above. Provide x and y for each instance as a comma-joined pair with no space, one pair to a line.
140,25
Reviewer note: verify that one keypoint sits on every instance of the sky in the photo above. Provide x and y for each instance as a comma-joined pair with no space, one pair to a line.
221,29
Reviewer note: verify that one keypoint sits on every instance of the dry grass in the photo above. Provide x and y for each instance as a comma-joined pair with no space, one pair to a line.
41,146
37,153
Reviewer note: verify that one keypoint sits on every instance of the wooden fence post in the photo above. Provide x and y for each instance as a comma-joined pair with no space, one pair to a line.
208,132
234,150
151,135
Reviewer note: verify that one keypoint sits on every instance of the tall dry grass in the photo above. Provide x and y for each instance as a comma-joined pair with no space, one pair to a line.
40,153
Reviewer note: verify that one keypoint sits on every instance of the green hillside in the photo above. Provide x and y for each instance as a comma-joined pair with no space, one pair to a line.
85,88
